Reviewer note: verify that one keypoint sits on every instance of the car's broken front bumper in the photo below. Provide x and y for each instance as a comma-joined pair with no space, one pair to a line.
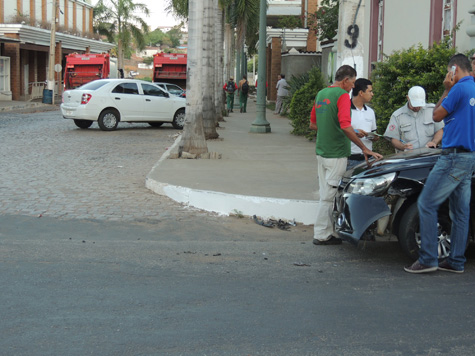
353,214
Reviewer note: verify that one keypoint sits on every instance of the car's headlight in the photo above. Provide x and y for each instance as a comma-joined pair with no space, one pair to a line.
370,186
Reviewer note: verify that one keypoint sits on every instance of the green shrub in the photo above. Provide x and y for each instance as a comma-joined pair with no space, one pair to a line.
393,78
294,84
302,100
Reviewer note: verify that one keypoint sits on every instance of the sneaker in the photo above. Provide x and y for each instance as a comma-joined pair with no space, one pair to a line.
445,266
331,241
416,267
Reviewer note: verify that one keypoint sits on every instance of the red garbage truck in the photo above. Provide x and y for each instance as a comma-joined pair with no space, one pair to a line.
170,68
84,68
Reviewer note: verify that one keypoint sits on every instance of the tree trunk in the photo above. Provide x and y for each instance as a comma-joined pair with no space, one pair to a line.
209,113
193,138
219,64
229,52
120,54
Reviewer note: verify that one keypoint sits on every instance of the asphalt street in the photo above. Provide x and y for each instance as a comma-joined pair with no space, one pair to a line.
93,263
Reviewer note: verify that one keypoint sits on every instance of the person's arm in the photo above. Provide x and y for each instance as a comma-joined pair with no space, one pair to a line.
344,118
360,133
436,139
351,134
439,111
313,120
401,146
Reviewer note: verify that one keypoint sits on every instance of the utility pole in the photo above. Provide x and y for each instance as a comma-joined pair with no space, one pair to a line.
260,124
52,48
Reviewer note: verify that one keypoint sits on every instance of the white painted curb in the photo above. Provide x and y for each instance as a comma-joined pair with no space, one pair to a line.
302,211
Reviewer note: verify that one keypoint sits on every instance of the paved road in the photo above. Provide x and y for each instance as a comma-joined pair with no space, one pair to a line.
92,263
51,167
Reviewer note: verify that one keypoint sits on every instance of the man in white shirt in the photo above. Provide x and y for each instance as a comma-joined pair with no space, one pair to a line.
412,126
282,92
362,119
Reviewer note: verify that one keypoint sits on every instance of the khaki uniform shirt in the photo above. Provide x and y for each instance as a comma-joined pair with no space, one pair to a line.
416,128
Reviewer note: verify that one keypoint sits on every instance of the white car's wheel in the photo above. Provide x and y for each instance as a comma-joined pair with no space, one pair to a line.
83,124
179,119
108,120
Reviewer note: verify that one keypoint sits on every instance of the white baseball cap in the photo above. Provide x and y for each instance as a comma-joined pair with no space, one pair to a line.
417,96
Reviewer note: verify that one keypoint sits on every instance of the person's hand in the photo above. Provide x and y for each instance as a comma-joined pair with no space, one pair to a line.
408,146
449,81
361,133
375,155
431,144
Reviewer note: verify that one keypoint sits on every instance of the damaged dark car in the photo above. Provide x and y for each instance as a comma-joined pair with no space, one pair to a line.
380,199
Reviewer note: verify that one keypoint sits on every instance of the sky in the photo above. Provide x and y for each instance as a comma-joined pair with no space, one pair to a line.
158,16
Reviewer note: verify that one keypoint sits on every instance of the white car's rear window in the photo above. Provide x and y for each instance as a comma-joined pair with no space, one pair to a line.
94,85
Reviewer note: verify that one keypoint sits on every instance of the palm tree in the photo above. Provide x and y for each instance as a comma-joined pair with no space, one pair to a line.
121,21
209,48
193,138
209,78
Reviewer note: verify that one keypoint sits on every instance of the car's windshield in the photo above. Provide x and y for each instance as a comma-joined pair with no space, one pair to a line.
94,85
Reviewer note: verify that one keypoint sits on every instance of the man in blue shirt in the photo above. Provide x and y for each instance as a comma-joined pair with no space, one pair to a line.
452,174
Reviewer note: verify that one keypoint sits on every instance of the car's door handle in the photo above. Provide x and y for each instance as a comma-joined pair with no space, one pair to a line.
148,100
116,98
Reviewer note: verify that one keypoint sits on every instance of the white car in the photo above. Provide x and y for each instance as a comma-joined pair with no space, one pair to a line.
110,101
172,89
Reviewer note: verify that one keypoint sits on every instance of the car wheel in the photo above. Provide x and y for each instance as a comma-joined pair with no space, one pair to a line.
83,124
155,124
108,120
179,119
410,237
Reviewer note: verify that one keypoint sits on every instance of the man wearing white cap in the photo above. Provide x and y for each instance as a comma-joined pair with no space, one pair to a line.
411,126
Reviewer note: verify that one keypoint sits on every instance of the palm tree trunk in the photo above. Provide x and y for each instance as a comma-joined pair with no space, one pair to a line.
219,64
229,51
209,113
120,55
193,137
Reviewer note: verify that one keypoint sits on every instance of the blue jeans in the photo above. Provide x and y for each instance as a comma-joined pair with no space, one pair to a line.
450,178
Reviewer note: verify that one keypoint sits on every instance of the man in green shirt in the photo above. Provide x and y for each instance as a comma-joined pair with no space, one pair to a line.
331,118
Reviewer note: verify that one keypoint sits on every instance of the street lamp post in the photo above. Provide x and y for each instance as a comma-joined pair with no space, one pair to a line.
260,124
52,49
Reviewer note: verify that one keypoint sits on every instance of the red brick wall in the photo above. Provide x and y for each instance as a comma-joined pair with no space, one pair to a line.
19,6
74,17
66,14
12,50
275,67
44,16
2,12
91,30
84,29
32,12
268,67
311,37
58,58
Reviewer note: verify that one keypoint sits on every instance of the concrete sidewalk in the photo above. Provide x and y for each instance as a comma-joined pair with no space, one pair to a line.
12,105
272,175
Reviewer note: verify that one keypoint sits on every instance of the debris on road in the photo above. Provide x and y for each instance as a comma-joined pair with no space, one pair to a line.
280,224
301,264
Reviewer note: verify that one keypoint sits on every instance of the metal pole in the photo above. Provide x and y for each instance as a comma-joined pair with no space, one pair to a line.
260,124
52,49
